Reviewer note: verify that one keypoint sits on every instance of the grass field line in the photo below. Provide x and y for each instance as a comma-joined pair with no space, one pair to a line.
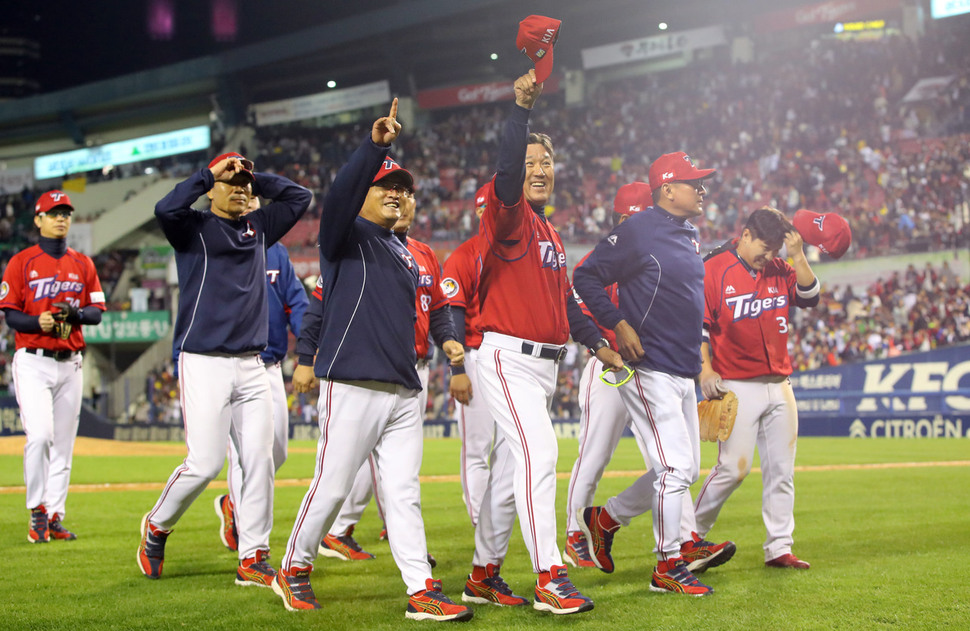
288,482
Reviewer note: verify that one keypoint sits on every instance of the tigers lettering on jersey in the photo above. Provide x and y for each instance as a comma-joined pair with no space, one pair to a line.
750,306
550,256
424,278
50,287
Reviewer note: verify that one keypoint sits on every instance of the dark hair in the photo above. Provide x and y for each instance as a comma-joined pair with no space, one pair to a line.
544,140
770,225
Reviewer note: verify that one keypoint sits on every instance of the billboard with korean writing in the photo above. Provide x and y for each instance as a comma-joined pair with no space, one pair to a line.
129,326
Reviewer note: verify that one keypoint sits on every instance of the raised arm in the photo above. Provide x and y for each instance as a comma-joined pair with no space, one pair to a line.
510,174
289,202
349,189
174,212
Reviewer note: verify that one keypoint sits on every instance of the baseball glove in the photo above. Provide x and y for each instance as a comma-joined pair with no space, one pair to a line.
716,417
62,328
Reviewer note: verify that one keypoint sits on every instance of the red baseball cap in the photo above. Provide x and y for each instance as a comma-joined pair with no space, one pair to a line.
537,35
675,167
51,200
632,198
392,168
247,165
830,233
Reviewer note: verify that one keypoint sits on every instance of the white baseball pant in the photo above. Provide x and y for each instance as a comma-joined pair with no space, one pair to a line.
496,516
49,395
224,398
664,410
518,389
767,417
357,418
477,432
603,417
367,478
281,431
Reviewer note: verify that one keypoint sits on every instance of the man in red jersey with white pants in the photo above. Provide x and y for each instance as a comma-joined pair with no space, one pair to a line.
748,293
522,293
48,292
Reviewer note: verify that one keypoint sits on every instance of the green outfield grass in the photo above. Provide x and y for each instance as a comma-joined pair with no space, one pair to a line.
888,545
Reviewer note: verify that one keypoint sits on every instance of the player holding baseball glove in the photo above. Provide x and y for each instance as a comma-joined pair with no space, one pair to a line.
48,291
748,294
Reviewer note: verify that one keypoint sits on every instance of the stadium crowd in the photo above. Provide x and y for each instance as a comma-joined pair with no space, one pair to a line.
788,131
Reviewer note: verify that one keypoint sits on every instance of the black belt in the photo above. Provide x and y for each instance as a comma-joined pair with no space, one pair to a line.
58,355
557,353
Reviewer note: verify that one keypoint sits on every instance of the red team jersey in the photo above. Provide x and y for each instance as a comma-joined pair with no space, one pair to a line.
748,318
460,284
607,334
523,283
33,281
430,297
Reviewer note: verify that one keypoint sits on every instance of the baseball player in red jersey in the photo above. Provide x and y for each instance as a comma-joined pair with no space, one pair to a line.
475,425
522,293
603,417
749,293
49,290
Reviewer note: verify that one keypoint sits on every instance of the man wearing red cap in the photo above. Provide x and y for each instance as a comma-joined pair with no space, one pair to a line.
49,290
220,329
433,318
655,259
366,362
603,417
522,292
749,293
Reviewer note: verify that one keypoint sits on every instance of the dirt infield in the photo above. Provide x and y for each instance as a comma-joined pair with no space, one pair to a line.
12,446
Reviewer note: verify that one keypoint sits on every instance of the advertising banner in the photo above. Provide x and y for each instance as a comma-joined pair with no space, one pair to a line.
947,8
824,13
322,103
923,395
123,152
128,326
476,93
651,47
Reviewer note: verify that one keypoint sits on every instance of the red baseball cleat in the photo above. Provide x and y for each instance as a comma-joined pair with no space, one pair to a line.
788,561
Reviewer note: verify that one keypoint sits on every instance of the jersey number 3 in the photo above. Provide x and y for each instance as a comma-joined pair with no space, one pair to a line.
782,324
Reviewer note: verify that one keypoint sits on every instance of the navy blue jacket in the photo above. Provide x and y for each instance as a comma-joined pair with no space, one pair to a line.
287,302
655,257
368,282
222,263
